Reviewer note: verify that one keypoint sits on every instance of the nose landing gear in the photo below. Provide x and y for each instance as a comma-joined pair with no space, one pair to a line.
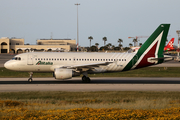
30,78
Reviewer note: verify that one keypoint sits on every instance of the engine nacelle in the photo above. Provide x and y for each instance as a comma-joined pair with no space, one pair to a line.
61,73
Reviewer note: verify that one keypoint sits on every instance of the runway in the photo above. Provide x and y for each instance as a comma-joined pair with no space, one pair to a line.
97,84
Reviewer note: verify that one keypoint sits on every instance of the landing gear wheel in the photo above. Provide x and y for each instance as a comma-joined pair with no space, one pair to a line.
86,79
30,80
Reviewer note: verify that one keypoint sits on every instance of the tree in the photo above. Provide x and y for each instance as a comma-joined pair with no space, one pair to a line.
130,44
90,38
109,45
104,39
140,44
120,41
135,42
120,45
97,44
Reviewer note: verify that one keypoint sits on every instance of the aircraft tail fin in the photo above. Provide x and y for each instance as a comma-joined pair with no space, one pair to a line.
152,48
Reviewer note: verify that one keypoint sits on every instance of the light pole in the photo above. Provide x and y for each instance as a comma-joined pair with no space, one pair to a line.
77,29
178,32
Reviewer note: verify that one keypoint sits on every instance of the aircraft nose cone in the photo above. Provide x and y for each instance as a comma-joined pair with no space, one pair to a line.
7,65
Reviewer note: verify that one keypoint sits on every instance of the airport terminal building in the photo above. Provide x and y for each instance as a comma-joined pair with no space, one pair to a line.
16,45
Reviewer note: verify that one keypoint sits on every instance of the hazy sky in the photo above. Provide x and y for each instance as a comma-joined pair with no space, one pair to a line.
37,19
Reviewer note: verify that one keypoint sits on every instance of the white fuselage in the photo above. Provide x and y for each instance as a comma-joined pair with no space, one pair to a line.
48,61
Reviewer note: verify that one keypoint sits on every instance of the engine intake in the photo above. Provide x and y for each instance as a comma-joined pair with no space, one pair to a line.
60,73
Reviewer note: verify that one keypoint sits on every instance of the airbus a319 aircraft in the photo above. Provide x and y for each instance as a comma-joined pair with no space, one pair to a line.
68,65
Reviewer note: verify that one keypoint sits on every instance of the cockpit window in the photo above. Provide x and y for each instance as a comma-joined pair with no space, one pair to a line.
16,58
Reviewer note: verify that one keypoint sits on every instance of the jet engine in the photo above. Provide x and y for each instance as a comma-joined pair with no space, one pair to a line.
61,73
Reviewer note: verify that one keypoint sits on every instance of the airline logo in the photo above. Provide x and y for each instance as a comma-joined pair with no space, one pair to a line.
44,63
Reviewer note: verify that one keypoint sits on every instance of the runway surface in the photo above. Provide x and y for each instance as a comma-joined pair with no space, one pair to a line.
97,84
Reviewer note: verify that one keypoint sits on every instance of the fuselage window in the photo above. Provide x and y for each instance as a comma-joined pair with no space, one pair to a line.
41,59
95,59
58,59
65,59
54,59
98,59
87,59
106,59
36,59
79,59
44,59
119,59
90,59
82,59
111,59
74,59
69,59
124,59
101,59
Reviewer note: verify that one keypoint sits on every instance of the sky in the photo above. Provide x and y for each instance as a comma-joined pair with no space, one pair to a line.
114,19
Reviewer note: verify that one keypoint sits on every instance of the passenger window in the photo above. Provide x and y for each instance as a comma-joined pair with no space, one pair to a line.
69,59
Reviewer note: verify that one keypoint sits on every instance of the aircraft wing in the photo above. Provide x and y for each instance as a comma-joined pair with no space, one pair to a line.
87,66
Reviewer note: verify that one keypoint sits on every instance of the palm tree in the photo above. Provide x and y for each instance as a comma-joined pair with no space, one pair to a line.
90,38
97,44
120,41
135,42
130,44
104,39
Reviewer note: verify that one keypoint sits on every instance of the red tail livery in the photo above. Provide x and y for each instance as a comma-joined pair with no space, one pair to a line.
169,46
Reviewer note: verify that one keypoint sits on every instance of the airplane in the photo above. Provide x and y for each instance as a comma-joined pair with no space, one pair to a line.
67,65
169,46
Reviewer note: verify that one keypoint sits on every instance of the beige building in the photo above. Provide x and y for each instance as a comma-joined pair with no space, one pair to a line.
16,45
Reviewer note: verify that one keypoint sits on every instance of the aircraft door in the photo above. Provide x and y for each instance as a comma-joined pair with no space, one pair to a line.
30,59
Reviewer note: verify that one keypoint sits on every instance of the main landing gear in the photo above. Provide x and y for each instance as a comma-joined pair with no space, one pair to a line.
86,79
30,78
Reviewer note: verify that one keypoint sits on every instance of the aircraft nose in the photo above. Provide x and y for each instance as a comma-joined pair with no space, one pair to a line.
8,65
